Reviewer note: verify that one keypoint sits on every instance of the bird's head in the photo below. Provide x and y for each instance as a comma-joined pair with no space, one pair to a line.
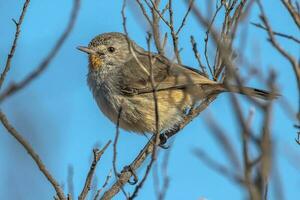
107,49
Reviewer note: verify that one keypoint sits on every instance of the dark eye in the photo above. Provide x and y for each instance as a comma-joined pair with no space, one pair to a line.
111,49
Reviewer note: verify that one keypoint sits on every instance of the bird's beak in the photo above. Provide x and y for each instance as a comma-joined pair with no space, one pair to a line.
86,50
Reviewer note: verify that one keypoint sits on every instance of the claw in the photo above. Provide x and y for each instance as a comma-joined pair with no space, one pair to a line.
163,138
128,168
164,146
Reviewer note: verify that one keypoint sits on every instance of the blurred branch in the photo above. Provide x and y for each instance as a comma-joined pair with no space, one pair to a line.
70,182
290,37
13,132
87,186
14,44
298,134
211,163
293,12
14,87
282,51
224,141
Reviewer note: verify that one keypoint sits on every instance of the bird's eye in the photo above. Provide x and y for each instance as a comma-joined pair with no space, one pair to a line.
111,49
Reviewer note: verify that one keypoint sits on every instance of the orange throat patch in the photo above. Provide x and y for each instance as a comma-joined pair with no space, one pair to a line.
95,62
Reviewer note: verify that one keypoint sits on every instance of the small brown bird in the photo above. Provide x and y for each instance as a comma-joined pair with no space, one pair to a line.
120,76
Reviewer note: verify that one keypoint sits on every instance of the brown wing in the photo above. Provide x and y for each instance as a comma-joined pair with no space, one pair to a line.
166,75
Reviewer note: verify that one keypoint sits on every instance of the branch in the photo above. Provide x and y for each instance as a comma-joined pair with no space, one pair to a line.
144,11
87,186
185,17
12,131
155,26
148,149
276,45
290,37
213,164
14,44
173,33
156,136
108,177
13,88
197,56
293,12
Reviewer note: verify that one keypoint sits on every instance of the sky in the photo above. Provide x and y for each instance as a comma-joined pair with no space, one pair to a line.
57,114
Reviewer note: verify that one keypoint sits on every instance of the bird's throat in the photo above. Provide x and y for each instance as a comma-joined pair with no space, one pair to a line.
95,62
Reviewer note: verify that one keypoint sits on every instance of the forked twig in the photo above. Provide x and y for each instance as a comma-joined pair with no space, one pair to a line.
14,44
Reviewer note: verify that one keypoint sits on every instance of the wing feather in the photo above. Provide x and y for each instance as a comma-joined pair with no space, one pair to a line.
166,75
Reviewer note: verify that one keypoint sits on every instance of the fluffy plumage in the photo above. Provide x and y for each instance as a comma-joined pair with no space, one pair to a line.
120,78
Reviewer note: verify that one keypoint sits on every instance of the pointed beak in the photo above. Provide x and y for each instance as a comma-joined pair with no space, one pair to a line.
86,50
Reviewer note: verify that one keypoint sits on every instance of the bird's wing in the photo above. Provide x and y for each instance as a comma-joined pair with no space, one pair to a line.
136,75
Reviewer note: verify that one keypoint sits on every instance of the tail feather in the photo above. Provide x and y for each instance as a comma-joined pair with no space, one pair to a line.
253,92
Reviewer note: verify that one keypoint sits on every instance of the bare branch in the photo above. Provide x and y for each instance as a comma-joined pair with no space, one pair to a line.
173,33
156,139
185,17
284,53
14,44
87,186
13,88
13,132
108,177
70,180
293,12
290,37
218,167
144,11
156,28
197,56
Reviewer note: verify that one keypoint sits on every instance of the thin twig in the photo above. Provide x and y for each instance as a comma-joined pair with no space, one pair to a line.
14,44
197,56
154,7
13,88
33,154
185,17
290,37
108,177
156,16
282,51
156,139
70,182
212,71
173,33
231,174
87,186
115,144
144,11
161,194
293,12
115,152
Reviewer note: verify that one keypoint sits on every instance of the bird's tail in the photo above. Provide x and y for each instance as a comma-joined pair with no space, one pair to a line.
253,92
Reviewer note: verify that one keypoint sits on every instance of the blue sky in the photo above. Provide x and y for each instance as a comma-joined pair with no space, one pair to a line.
59,117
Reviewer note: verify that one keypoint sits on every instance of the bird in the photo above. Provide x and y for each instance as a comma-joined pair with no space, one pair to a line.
123,78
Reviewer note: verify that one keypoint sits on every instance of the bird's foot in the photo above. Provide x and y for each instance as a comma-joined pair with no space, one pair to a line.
129,168
163,138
